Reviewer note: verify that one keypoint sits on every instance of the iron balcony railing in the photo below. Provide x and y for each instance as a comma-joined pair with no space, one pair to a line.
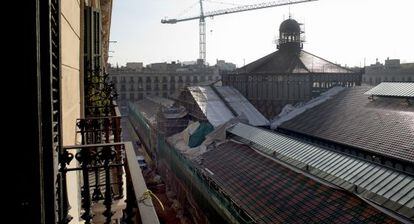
98,160
107,169
99,129
139,207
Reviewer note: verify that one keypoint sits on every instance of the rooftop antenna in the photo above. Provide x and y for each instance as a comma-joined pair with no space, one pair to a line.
290,16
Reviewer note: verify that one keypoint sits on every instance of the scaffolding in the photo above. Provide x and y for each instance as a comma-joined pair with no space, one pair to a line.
193,187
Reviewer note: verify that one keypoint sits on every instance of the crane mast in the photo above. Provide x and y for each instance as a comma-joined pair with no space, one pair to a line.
202,26
203,15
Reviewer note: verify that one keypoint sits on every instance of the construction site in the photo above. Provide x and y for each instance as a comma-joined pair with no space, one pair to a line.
221,163
257,147
169,138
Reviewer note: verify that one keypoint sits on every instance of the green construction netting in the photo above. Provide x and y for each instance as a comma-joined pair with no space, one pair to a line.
140,123
214,203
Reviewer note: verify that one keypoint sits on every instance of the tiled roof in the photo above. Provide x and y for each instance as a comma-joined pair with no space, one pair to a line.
288,62
384,126
272,193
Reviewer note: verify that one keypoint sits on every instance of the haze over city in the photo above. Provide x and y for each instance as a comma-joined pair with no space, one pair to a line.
344,32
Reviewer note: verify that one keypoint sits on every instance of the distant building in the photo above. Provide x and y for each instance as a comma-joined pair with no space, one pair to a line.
289,75
391,71
225,66
135,65
158,66
189,62
158,79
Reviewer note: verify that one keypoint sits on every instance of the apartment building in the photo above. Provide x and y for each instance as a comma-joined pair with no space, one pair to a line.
73,166
391,71
159,79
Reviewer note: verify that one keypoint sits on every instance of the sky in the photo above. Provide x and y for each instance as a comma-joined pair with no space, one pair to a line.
346,32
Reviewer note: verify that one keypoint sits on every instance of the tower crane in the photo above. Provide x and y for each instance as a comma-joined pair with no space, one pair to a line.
203,15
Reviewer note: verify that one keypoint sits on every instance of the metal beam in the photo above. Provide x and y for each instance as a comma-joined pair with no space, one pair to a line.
236,9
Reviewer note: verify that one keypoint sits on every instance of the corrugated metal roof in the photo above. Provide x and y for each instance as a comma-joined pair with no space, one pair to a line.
242,106
219,106
389,188
148,108
162,101
211,105
398,89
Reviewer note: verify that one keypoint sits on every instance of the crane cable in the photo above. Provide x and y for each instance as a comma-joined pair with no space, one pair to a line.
187,9
223,3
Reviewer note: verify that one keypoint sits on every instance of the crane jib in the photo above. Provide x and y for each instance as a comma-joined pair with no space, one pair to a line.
225,12
237,9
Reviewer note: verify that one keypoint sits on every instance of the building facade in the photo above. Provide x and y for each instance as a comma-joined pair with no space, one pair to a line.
160,79
72,167
391,71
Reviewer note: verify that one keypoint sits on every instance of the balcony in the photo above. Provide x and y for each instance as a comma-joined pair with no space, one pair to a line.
108,178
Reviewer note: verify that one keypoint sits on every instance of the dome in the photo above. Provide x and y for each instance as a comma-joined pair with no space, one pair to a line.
289,26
